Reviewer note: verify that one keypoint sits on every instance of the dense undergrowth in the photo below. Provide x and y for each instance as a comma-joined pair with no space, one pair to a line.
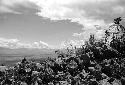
98,62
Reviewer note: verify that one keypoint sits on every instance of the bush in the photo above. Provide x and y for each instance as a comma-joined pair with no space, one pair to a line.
95,63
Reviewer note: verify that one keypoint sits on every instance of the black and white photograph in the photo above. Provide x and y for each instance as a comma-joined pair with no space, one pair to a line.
62,42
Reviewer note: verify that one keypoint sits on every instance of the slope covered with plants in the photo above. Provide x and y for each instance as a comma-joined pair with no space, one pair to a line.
97,62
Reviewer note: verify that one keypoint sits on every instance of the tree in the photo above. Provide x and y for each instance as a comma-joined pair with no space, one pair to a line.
116,35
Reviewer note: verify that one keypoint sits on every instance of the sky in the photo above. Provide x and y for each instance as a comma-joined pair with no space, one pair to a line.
53,23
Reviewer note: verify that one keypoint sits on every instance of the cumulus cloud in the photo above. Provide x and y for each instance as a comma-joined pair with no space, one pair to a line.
84,35
84,12
9,6
4,9
15,43
87,13
68,43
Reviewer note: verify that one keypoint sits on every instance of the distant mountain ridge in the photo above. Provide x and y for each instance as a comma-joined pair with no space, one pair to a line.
24,51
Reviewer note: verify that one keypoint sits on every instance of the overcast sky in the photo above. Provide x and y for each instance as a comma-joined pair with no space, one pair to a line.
54,21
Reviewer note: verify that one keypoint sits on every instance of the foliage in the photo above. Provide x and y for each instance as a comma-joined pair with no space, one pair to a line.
98,62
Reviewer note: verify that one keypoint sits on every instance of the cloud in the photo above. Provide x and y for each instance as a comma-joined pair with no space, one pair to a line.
4,9
15,43
11,6
84,35
87,13
68,43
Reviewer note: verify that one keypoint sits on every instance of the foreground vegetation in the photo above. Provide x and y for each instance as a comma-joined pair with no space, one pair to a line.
98,62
